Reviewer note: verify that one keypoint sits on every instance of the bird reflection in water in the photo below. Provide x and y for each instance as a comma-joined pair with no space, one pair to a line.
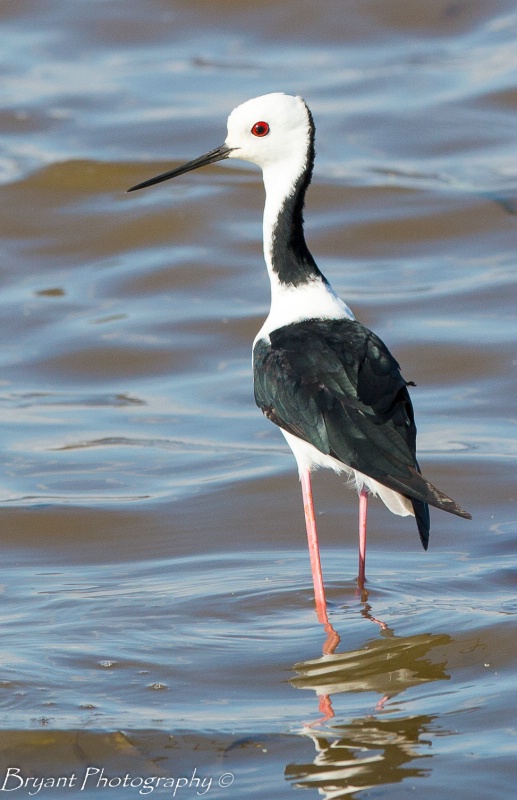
371,750
332,641
363,754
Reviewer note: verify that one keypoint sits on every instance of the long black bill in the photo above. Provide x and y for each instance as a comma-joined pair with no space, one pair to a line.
209,158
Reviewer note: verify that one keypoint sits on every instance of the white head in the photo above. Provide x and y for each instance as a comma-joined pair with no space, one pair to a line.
271,129
274,130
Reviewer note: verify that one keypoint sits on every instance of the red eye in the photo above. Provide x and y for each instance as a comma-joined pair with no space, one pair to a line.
260,129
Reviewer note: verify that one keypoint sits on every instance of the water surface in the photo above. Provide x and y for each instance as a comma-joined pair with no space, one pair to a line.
157,618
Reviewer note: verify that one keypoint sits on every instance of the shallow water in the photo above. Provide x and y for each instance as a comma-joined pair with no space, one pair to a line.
157,618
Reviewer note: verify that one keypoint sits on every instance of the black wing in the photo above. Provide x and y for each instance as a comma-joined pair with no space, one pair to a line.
335,384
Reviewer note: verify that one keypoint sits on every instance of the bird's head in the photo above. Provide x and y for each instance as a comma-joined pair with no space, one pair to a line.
273,131
270,130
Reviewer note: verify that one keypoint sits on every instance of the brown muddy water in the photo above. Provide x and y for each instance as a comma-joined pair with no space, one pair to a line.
157,622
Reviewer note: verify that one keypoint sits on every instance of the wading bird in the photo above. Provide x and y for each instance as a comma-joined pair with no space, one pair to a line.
328,382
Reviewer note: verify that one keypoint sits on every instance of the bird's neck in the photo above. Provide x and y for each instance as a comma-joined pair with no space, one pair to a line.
287,256
298,289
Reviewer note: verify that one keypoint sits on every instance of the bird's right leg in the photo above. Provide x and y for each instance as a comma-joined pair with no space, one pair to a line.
314,549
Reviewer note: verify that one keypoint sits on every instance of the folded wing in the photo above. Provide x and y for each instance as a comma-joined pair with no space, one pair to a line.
335,384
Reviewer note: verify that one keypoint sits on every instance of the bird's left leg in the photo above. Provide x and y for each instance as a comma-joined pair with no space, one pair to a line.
363,515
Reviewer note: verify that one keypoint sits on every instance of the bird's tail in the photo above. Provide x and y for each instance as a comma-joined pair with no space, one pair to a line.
438,499
423,521
422,494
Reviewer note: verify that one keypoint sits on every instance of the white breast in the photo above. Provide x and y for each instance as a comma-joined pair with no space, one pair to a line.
290,304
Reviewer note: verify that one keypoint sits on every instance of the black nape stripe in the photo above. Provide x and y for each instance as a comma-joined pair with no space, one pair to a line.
291,258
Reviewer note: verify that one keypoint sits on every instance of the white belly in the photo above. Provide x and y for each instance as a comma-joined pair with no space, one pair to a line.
310,458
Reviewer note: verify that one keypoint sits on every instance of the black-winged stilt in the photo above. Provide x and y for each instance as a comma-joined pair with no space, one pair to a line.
329,383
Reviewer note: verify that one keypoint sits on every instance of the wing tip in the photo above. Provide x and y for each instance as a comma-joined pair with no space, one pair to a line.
440,500
452,507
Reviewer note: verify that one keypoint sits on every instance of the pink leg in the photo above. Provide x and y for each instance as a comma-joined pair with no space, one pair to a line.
314,550
363,514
